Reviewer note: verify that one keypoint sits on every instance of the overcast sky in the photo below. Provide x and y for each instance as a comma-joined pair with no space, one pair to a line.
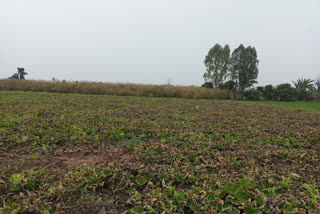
149,41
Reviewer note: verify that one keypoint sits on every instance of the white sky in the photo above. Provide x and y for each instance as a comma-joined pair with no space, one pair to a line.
148,41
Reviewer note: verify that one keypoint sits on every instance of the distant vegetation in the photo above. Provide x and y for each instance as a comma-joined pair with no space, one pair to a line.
226,77
120,89
238,72
303,90
19,75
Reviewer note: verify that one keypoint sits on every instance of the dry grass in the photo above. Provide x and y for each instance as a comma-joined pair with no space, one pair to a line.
120,89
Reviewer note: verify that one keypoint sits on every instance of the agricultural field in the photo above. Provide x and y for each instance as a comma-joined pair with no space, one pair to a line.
71,153
301,105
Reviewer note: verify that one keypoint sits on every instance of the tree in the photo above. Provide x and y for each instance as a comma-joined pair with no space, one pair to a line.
304,89
15,76
244,67
217,64
317,83
269,92
207,85
253,94
228,85
285,92
261,89
20,74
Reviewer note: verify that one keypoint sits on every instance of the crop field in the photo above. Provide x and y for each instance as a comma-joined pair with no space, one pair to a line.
301,105
71,153
118,89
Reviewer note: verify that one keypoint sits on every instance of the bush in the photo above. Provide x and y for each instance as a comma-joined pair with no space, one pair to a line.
285,92
261,89
253,94
207,85
305,95
228,85
269,92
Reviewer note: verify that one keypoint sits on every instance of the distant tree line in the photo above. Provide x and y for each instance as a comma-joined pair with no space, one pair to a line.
239,71
235,72
302,90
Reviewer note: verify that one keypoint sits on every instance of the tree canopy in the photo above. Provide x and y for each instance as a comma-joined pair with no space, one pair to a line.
20,74
217,63
244,66
304,89
240,69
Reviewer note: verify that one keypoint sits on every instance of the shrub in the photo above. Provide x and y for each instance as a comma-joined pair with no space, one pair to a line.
261,89
207,85
285,92
306,95
253,94
269,92
228,85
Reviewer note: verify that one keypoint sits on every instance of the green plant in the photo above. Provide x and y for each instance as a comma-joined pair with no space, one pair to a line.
168,156
90,179
313,191
269,92
253,94
16,180
285,92
137,210
9,206
217,64
304,89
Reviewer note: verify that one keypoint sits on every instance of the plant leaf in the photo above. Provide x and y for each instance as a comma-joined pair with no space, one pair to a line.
137,210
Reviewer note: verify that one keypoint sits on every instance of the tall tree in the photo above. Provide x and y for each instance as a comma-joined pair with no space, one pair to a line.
244,67
217,63
304,88
304,84
21,73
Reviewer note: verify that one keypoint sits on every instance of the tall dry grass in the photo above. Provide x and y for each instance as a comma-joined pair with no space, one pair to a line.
120,89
